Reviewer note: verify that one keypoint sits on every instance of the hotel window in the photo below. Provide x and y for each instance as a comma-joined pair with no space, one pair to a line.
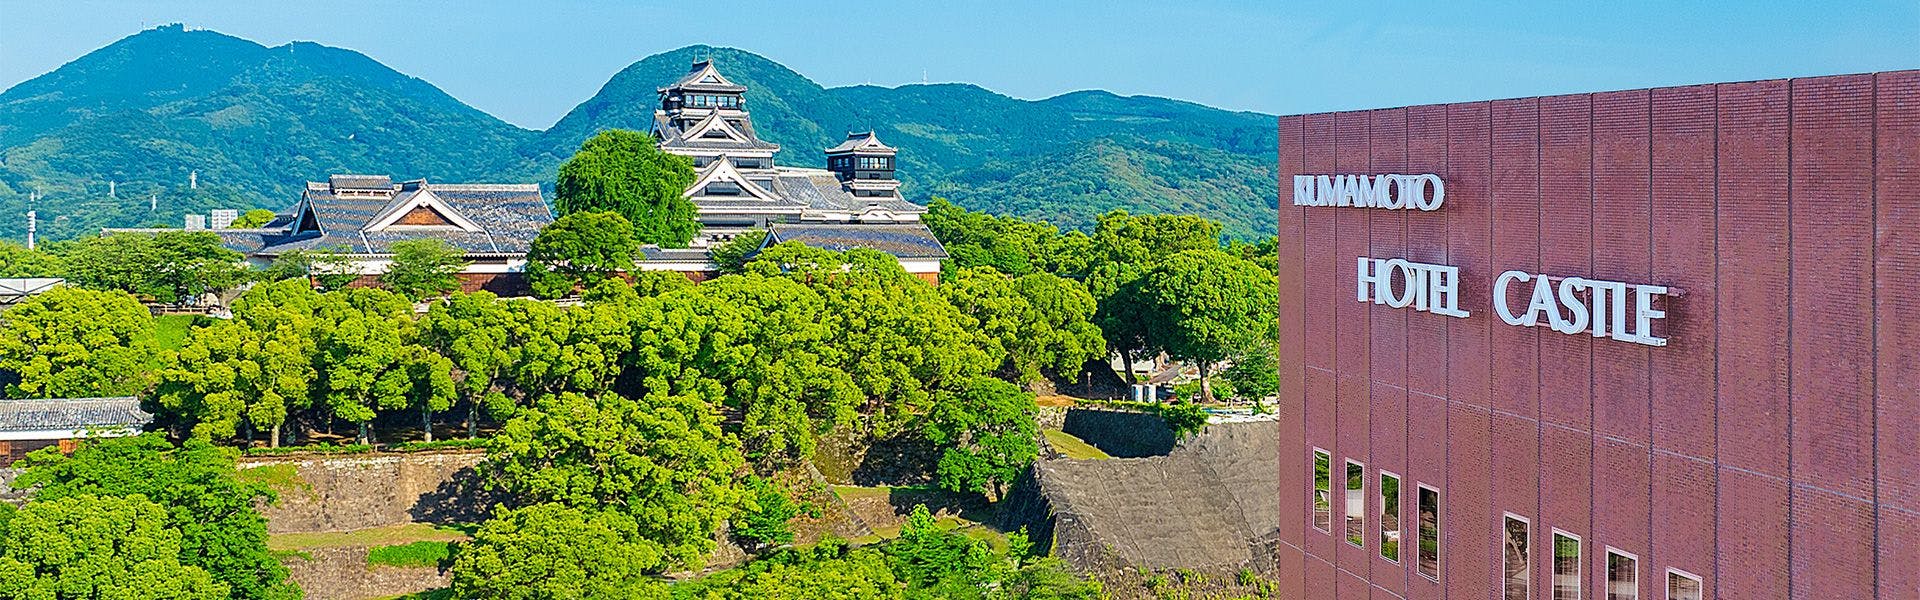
1322,491
1355,507
1566,566
1389,516
1682,585
1427,556
1623,576
1515,576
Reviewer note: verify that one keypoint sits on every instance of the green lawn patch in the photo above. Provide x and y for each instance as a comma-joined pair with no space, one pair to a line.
171,330
283,478
1072,446
411,554
439,594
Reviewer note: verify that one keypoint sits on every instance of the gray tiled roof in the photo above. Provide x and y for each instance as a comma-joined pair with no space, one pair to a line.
820,190
508,215
693,73
73,413
869,139
905,240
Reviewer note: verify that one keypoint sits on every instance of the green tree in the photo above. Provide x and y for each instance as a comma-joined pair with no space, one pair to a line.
330,268
763,522
732,256
94,548
924,556
192,263
988,433
1255,373
1205,304
74,343
582,248
1120,311
1036,321
830,570
17,261
424,267
757,343
253,218
372,361
661,459
577,348
170,266
484,338
625,172
1146,239
120,261
206,505
894,335
558,552
230,372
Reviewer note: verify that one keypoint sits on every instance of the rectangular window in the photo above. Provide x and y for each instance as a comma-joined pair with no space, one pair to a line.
1682,585
1389,516
1515,576
1355,507
1427,558
1623,575
1566,566
1322,491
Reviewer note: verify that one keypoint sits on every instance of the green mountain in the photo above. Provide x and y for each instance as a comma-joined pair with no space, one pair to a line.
255,122
134,121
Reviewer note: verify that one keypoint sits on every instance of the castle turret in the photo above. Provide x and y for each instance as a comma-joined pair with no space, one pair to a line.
864,165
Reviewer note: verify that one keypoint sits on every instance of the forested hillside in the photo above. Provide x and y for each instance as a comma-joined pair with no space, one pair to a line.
101,136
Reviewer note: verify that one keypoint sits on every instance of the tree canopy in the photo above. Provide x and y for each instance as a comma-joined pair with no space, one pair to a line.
580,249
661,460
987,432
1204,305
77,343
17,261
424,267
97,548
560,552
624,172
203,503
169,266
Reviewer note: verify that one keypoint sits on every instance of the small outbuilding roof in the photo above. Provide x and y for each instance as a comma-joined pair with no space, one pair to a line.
72,414
905,240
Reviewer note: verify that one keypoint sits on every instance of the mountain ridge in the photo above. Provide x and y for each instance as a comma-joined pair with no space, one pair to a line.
151,110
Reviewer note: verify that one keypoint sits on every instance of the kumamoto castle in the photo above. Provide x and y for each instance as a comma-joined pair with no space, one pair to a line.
854,203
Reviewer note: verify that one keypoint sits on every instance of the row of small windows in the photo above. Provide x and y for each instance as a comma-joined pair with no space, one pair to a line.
1622,568
1426,512
876,163
711,101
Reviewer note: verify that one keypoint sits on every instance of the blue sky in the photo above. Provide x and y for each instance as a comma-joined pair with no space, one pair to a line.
530,62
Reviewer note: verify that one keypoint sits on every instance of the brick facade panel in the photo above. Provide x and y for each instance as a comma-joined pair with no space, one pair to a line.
1751,340
1683,257
1766,447
1897,274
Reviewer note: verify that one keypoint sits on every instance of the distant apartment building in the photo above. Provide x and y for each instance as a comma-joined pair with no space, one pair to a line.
1639,345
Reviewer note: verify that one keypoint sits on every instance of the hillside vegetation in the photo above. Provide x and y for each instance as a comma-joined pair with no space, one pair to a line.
255,122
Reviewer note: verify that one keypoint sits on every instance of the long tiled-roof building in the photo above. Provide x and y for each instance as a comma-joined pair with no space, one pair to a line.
363,216
739,188
31,424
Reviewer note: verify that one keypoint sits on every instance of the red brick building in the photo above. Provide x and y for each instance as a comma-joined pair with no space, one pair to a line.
1769,449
